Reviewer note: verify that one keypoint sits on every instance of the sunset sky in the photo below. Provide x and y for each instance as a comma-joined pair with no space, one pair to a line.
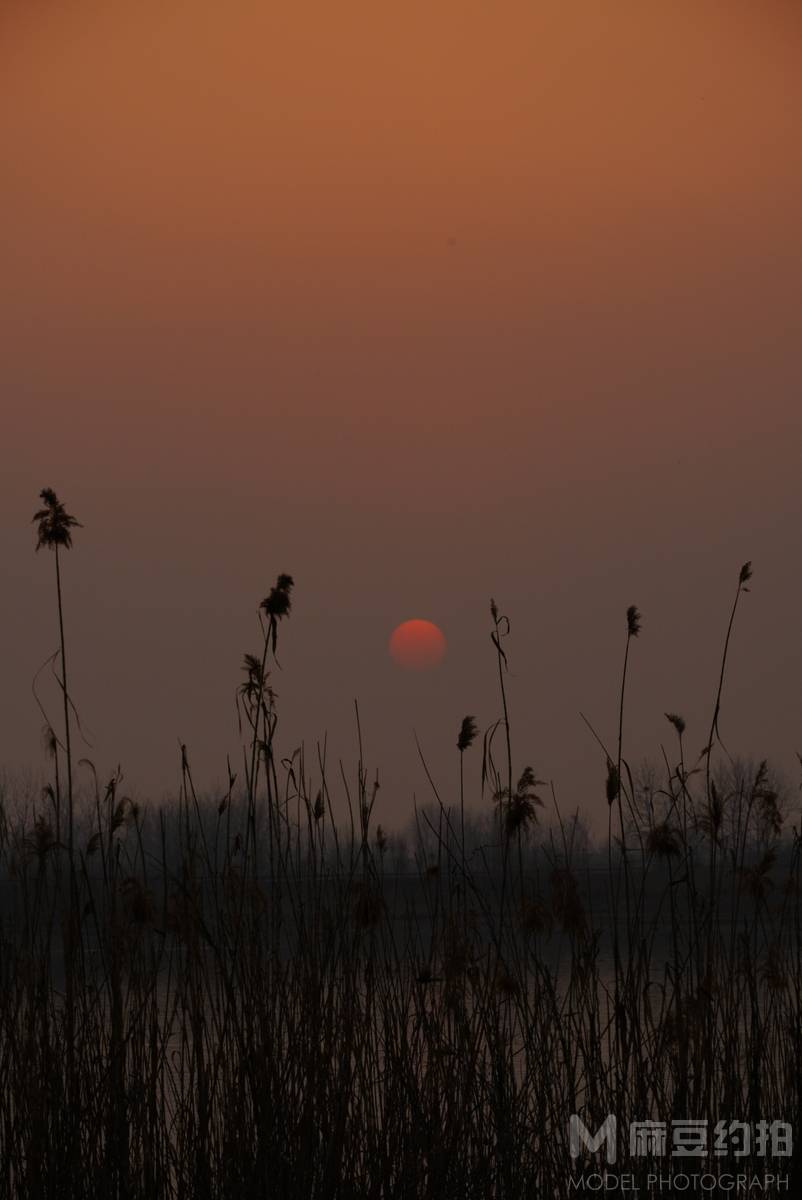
421,303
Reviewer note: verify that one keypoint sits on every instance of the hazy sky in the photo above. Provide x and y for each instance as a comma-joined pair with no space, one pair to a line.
420,303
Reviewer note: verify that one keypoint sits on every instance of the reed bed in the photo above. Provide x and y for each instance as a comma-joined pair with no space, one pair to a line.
240,997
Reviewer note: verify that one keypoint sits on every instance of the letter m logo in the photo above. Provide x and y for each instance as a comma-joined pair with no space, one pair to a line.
579,1136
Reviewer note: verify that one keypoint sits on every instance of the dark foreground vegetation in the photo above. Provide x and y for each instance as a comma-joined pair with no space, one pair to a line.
239,998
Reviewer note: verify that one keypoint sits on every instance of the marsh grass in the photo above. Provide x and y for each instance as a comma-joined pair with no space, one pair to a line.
237,997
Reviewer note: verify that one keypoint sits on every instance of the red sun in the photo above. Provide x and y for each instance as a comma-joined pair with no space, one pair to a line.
417,645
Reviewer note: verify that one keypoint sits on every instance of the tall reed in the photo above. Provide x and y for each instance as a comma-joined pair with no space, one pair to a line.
267,1002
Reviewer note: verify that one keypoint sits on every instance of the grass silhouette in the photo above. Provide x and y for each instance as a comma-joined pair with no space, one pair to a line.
236,997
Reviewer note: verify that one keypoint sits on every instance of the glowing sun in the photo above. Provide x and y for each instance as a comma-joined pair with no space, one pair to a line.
417,645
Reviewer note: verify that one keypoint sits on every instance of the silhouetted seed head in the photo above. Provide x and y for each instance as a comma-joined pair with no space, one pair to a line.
506,984
746,573
252,666
520,813
278,603
50,741
320,807
756,880
467,733
519,810
527,784
770,814
494,610
767,800
677,722
712,818
55,523
663,841
41,841
612,785
381,839
761,775
633,621
118,816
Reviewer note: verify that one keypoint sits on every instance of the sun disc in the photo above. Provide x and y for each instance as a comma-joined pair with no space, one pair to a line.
417,645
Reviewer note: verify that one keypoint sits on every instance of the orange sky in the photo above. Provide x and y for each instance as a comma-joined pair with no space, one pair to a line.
420,303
